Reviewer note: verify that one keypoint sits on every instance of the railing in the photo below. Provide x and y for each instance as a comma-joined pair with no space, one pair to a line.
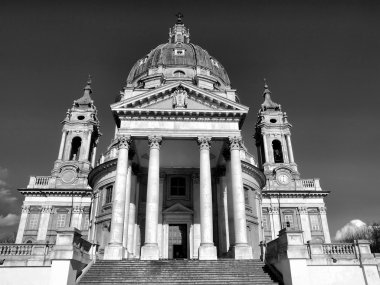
311,184
339,249
40,182
24,249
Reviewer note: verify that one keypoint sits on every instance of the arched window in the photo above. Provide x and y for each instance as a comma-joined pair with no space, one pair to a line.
179,73
75,148
277,152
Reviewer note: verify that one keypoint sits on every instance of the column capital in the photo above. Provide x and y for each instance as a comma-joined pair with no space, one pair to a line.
204,143
47,209
273,210
235,142
78,209
322,210
124,142
25,209
302,210
154,141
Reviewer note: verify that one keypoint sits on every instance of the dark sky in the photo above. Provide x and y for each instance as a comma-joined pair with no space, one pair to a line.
321,59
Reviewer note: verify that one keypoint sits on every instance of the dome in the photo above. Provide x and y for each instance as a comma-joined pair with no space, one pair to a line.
166,55
191,60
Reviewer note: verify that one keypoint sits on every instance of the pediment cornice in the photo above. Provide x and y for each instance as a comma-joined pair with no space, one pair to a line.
146,104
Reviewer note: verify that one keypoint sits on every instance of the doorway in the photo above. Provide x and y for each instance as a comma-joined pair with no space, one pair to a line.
177,241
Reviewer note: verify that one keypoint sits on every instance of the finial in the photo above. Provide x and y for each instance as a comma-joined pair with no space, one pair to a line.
89,81
266,88
179,18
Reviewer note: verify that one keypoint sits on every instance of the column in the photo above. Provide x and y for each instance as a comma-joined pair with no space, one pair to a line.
230,210
224,243
197,218
21,227
241,249
275,220
114,250
76,219
61,147
305,224
87,152
150,250
265,148
132,218
325,226
93,157
126,208
290,148
207,250
44,223
159,226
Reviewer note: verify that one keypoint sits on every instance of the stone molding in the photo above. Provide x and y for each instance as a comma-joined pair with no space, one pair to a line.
204,143
154,141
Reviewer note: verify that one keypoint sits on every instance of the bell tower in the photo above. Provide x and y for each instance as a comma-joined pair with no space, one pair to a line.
273,138
80,134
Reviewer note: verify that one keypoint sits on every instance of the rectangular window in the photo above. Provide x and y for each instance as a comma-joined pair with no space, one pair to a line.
33,221
109,190
288,221
61,220
246,196
178,186
314,222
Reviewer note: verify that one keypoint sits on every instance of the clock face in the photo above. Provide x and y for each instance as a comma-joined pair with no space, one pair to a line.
283,178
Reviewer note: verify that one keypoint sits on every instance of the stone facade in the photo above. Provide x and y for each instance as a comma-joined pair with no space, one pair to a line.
177,180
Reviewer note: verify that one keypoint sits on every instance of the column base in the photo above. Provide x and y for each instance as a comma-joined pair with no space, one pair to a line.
113,252
207,252
150,252
242,251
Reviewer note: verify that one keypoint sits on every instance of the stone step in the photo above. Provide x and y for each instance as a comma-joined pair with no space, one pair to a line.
224,271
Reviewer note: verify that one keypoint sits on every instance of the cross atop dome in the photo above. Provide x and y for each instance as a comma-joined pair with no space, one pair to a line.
179,33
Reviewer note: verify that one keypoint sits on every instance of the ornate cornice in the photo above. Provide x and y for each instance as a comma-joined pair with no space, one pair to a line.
294,193
106,166
55,192
254,172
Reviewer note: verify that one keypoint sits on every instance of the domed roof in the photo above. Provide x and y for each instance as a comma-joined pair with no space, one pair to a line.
178,52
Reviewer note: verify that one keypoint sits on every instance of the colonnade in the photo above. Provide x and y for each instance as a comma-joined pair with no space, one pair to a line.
150,250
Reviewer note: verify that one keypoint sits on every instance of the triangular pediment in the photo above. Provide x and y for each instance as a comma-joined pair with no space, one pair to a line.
165,98
177,208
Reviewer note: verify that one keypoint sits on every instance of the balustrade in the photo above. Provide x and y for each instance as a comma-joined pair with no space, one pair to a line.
339,249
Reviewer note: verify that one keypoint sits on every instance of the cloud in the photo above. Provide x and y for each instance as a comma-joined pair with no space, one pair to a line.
349,229
3,173
9,220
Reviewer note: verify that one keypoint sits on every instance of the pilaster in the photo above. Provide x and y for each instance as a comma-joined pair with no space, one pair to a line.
21,227
44,223
305,223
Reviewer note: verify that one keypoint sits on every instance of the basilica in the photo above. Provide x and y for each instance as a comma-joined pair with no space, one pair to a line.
177,180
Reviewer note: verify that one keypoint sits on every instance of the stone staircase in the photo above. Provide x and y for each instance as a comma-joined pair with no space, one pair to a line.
222,271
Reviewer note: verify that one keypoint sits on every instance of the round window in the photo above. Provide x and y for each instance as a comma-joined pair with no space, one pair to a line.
273,120
80,118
